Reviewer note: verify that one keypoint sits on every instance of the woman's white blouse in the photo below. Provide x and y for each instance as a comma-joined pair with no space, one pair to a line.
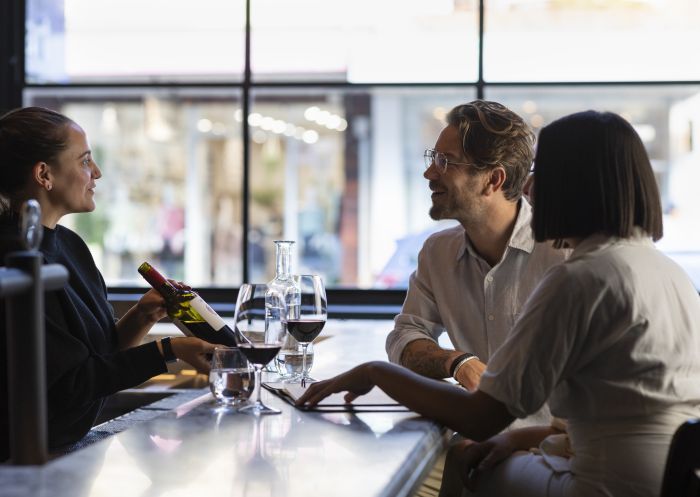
614,332
612,339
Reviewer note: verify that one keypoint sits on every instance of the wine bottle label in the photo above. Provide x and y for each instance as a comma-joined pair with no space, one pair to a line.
209,315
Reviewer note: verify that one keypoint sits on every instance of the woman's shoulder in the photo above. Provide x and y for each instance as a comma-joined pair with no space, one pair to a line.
67,235
71,244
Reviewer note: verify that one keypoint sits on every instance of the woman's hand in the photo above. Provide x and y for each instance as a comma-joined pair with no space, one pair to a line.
151,307
356,382
134,325
470,458
194,352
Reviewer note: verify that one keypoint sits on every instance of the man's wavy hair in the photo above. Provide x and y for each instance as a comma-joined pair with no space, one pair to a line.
492,136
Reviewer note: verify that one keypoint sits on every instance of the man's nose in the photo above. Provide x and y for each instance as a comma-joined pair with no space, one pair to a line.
431,172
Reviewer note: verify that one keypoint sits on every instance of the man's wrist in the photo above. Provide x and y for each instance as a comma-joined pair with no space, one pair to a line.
460,361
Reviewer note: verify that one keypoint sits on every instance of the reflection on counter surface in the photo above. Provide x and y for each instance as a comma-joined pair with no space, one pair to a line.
201,448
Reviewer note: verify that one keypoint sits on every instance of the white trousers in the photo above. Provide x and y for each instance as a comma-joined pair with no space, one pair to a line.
522,475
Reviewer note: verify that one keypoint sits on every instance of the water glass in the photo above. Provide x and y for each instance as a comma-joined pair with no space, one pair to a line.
231,379
289,361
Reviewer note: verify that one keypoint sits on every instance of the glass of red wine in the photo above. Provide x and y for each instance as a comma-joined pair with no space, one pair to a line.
260,334
305,320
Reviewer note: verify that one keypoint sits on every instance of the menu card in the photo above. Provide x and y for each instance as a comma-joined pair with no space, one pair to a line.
375,401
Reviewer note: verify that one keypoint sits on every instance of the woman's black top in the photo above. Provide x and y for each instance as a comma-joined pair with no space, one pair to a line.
83,362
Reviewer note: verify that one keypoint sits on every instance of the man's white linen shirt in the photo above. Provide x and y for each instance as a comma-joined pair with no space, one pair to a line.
454,289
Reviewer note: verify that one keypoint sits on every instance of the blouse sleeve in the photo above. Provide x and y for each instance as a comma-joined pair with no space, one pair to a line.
77,375
543,347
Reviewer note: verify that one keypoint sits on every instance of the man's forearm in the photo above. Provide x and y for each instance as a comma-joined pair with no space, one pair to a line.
427,358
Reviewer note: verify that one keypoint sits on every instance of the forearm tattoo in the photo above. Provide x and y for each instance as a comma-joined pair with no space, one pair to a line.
426,360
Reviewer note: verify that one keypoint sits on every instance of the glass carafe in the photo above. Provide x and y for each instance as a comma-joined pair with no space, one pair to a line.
285,286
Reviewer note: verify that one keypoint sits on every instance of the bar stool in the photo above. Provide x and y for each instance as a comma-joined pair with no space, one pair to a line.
682,474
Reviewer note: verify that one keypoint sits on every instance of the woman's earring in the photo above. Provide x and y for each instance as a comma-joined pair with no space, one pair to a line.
48,187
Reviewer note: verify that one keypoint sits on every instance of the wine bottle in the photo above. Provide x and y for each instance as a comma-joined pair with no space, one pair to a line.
190,313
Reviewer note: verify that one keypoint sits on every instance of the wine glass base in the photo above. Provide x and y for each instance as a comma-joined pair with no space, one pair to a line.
298,379
291,378
258,409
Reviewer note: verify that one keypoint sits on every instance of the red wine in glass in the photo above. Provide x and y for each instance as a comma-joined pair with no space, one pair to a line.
305,320
305,330
260,334
260,353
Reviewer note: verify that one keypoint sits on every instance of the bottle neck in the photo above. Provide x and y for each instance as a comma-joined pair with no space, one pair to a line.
157,280
283,251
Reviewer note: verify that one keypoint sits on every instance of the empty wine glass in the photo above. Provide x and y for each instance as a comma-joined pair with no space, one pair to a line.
305,321
260,335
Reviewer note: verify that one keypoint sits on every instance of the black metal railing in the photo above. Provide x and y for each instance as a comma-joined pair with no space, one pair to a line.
22,285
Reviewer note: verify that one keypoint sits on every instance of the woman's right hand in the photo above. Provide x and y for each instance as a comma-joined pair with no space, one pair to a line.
194,352
471,458
355,382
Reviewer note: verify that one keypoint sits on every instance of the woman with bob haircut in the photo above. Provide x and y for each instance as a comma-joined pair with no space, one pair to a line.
610,338
90,355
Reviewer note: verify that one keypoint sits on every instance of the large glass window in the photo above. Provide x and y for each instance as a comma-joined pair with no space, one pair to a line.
341,101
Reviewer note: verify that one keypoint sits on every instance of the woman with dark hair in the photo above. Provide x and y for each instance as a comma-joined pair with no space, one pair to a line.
90,355
610,338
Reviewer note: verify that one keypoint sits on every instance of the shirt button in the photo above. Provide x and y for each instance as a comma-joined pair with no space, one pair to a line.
489,278
491,317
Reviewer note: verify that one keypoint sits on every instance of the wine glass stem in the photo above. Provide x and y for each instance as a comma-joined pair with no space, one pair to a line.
304,346
258,384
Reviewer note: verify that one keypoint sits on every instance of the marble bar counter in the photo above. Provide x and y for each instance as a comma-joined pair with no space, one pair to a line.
185,445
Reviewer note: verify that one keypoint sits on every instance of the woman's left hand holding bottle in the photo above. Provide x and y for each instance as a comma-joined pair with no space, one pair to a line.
151,307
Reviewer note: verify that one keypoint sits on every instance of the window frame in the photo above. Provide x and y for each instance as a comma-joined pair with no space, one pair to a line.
346,302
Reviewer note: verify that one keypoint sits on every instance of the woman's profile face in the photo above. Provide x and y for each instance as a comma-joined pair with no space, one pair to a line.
74,175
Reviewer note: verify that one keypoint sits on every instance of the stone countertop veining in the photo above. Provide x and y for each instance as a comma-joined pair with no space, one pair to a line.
187,445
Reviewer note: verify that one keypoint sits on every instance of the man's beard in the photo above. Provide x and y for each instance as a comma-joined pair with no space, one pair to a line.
436,212
468,212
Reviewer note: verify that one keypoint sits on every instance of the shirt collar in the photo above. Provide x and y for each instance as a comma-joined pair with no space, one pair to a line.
599,241
521,238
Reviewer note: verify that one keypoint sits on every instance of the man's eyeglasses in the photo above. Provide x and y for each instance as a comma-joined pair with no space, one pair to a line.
440,160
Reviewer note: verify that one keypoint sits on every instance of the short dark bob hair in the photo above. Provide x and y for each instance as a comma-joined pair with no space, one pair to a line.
593,175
